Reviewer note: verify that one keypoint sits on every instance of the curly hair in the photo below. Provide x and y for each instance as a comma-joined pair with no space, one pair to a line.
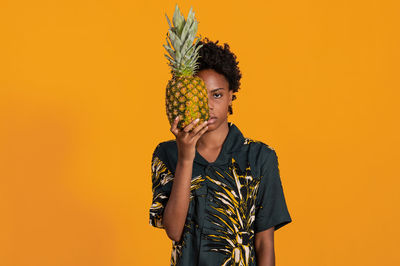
221,60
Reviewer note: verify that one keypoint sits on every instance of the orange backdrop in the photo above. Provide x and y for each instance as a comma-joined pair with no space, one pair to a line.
82,86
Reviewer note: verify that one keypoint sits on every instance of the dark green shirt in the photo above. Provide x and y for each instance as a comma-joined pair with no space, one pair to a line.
231,199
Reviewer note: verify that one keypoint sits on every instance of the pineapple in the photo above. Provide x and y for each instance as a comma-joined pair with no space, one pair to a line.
186,94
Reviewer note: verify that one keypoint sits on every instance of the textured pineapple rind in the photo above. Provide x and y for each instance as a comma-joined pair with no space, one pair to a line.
186,97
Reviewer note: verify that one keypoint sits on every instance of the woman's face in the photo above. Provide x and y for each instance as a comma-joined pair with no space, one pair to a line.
219,97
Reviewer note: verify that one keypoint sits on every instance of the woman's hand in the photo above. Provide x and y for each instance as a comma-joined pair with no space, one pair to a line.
187,138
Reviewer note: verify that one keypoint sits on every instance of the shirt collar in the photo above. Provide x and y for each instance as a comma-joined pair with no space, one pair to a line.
231,147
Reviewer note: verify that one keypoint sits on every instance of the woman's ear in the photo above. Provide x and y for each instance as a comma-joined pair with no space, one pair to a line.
230,96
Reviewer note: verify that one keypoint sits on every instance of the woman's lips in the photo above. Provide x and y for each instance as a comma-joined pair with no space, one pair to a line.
211,120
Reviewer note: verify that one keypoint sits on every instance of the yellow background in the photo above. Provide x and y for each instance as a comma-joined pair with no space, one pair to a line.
82,86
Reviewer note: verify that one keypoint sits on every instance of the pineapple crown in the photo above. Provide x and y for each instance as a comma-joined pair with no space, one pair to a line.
182,52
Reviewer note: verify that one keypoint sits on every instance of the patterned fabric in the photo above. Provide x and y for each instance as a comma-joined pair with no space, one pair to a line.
231,199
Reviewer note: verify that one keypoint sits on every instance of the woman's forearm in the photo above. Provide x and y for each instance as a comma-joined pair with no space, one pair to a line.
264,246
266,256
175,212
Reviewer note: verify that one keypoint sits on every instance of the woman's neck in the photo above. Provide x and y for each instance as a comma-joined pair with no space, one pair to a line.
212,140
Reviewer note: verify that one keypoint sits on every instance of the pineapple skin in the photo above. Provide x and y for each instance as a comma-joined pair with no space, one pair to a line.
188,98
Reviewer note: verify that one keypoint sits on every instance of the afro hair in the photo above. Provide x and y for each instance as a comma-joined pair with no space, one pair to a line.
221,60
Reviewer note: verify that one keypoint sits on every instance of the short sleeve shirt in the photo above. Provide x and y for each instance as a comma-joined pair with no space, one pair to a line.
231,199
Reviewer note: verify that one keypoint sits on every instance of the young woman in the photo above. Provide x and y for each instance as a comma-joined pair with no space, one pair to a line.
217,194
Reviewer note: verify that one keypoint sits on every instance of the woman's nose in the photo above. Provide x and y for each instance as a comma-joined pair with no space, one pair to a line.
210,103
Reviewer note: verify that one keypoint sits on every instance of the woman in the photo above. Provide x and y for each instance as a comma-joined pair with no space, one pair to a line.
217,193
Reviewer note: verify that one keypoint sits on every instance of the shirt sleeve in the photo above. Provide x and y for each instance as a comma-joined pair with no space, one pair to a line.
271,209
161,186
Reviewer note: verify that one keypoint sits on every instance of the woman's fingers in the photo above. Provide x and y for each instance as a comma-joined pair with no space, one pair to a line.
198,128
202,131
191,125
198,131
174,128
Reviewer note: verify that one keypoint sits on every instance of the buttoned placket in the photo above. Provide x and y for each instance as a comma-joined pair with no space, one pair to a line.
230,150
209,172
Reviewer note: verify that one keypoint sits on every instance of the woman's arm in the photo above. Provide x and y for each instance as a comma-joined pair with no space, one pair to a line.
177,206
264,245
175,211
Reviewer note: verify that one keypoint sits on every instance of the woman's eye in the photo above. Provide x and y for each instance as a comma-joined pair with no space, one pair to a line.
217,94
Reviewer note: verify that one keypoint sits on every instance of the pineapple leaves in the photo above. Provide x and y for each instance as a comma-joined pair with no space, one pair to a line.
188,25
183,54
176,42
178,20
178,57
172,61
169,50
169,22
185,32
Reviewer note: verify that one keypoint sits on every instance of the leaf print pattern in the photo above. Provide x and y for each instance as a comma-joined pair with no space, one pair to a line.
160,177
249,140
234,217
